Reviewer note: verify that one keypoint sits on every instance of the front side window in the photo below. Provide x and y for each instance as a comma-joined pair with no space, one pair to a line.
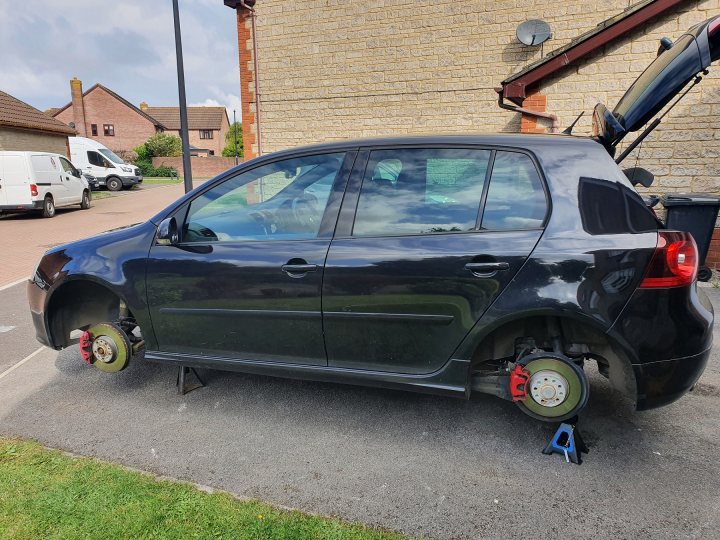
421,191
95,159
206,134
109,130
284,200
516,197
68,167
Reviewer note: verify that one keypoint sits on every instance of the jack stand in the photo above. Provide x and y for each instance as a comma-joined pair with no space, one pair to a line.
182,386
568,441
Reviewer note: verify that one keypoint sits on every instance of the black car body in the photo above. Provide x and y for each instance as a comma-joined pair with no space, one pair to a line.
442,264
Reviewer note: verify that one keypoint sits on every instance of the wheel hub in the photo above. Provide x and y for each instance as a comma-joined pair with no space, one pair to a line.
548,388
104,349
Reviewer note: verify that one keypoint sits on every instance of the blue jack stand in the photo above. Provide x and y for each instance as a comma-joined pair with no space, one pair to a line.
568,442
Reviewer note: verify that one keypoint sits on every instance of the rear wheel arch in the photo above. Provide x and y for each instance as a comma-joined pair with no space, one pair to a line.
78,304
580,337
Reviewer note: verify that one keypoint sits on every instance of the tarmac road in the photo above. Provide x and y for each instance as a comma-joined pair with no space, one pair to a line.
425,465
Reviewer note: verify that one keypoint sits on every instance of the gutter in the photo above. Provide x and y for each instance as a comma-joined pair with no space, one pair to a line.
515,87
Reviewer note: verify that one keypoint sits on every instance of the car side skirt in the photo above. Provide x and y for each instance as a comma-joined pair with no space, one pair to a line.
450,380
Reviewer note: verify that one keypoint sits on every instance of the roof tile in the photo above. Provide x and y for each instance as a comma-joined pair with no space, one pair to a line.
18,114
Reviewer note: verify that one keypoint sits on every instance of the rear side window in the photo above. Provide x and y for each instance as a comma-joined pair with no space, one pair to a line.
612,208
516,198
421,191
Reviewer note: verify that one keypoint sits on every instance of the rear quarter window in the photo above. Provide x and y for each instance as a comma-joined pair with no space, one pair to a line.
611,208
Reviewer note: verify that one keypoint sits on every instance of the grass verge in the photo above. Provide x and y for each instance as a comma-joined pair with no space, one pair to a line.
47,494
161,180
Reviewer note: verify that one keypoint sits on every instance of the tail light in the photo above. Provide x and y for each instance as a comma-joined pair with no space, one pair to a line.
33,190
674,263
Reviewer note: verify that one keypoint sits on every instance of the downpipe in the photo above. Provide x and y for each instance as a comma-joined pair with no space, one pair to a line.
537,114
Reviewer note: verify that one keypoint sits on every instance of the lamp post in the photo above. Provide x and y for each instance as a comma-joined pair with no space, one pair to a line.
187,173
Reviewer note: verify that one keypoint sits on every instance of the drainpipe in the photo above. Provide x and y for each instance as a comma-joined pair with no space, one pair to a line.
537,114
249,5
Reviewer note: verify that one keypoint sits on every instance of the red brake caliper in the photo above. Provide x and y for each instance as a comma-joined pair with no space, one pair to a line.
519,380
86,347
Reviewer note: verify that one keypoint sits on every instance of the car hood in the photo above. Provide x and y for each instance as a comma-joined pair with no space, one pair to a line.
664,78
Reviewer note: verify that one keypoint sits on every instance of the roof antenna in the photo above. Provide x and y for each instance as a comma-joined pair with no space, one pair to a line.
568,130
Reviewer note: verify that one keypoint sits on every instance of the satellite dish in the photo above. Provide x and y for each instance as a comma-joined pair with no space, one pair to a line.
533,32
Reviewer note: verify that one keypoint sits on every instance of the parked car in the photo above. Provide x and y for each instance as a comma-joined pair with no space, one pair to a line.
92,181
40,181
109,168
455,265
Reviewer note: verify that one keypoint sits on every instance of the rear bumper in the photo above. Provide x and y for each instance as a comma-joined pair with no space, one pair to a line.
35,205
661,383
667,335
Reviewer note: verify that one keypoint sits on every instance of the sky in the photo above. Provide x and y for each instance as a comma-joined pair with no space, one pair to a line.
126,45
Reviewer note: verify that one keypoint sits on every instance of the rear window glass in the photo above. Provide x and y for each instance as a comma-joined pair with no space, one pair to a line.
516,198
612,208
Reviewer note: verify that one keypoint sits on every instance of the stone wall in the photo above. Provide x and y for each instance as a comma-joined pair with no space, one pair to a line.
202,167
345,69
33,141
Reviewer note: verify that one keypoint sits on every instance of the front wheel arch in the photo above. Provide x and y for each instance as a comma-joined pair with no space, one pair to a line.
78,304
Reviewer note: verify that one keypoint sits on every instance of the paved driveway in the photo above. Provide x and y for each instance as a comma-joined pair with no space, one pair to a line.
425,465
25,237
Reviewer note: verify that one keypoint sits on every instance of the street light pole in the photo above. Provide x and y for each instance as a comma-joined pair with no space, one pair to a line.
187,173
235,137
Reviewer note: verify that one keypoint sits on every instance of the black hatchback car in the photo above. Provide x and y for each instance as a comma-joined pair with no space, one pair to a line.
454,265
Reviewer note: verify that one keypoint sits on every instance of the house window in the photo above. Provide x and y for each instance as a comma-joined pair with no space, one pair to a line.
93,129
109,130
206,134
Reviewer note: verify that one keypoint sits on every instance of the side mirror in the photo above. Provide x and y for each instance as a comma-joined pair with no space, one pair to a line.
168,232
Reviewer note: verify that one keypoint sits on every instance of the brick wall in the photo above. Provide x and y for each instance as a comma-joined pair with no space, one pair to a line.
25,140
202,167
247,82
216,144
131,128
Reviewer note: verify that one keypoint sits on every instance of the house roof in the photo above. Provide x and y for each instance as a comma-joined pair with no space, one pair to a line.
514,87
198,117
119,98
18,114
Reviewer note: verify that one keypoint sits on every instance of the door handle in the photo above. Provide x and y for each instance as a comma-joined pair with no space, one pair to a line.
298,269
486,269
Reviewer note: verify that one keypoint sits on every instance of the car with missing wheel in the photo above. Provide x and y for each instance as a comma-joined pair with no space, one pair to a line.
457,265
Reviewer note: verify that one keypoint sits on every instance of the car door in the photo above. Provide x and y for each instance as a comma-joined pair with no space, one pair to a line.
73,182
49,177
244,280
427,239
97,165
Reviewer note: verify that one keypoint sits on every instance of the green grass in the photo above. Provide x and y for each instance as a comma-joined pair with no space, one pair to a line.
46,494
161,180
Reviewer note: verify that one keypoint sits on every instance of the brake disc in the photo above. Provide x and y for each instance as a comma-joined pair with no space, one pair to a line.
110,347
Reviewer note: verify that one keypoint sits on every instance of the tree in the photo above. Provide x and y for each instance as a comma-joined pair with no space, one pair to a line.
233,134
164,145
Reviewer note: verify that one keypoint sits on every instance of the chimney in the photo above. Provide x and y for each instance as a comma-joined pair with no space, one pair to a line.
143,106
78,106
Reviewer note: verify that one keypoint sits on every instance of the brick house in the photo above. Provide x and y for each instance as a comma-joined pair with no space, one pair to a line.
207,126
105,116
25,128
102,115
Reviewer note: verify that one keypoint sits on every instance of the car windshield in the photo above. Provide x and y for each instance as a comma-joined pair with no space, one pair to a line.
111,156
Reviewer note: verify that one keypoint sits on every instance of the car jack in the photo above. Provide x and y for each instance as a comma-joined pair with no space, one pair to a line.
568,441
184,387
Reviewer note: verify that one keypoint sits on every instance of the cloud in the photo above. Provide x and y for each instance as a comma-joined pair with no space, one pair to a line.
229,101
127,46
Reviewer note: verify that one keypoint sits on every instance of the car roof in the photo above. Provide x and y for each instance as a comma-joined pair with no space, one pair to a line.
523,141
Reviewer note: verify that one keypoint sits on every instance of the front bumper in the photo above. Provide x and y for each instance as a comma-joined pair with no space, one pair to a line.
131,180
37,298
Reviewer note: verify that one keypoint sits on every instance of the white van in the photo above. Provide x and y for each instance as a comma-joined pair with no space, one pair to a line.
40,181
110,170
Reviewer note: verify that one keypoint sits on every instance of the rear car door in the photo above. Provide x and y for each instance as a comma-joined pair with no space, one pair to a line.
49,177
14,179
427,239
244,281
